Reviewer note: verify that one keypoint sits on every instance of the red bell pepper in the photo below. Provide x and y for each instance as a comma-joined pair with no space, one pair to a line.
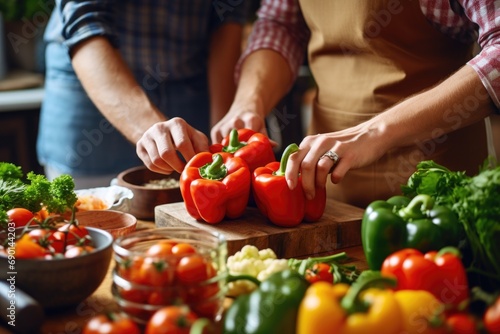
253,147
281,205
441,273
215,186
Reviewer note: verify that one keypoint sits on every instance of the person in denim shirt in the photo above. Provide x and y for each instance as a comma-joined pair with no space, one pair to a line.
119,71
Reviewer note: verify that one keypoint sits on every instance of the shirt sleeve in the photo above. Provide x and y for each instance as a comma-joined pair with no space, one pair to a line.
280,26
486,63
83,19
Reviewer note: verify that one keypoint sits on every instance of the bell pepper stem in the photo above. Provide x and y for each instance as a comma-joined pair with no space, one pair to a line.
417,206
199,326
216,170
449,250
234,142
351,303
232,278
292,148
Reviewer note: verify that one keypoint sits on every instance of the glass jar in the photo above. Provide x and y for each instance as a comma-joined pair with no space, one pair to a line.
170,266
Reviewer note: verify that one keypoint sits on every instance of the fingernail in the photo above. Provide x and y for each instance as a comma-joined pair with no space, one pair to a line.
290,184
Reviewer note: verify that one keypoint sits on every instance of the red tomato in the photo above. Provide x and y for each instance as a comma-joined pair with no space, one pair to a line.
192,269
20,216
161,249
171,320
183,249
156,272
461,323
130,269
491,317
45,238
319,272
70,234
112,323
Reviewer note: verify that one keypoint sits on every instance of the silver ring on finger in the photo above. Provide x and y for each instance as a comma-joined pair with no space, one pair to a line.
333,156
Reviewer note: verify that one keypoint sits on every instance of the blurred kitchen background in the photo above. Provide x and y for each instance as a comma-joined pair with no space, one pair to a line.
22,23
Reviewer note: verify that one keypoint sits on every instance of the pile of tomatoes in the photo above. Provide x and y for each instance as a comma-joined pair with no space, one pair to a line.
53,237
168,273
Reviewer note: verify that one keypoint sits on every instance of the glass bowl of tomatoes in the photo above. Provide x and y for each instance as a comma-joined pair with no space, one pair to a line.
170,266
58,265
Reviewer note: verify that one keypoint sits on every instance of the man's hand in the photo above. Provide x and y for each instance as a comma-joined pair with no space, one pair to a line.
160,146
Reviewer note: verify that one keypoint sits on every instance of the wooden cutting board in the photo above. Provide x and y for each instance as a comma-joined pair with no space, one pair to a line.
339,227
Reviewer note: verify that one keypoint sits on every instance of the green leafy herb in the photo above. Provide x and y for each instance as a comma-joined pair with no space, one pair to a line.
33,192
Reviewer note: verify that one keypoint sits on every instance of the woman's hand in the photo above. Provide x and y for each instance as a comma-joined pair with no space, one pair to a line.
356,147
164,144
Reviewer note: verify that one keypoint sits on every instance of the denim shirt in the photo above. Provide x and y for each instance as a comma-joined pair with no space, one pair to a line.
165,43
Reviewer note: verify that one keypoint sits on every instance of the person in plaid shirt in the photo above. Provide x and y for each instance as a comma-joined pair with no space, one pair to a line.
120,70
397,83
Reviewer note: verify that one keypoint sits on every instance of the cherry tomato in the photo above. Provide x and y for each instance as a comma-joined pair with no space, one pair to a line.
45,238
156,272
183,249
70,234
319,272
26,248
171,320
160,249
74,251
130,269
192,269
461,323
20,216
112,323
491,317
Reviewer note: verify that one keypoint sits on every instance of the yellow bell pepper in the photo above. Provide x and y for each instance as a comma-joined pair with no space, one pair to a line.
328,308
421,311
321,311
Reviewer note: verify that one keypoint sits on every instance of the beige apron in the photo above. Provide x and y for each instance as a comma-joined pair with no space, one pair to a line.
366,55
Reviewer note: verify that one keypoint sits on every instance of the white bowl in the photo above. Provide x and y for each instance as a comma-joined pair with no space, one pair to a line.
115,197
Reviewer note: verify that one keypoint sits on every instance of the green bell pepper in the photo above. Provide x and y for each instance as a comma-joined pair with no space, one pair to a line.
272,308
388,226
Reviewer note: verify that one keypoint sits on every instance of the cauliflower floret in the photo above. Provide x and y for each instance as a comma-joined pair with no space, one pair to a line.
272,266
252,261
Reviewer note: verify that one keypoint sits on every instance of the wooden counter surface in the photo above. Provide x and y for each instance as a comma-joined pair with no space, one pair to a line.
72,320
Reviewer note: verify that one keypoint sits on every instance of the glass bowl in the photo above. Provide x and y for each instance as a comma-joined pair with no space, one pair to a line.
146,279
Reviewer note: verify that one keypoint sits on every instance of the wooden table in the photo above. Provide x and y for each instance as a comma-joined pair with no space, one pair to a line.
73,319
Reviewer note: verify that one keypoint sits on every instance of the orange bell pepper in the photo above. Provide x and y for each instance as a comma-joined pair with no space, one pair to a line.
281,205
253,147
215,186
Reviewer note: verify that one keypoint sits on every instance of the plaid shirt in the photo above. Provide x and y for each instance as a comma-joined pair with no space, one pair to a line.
282,28
166,38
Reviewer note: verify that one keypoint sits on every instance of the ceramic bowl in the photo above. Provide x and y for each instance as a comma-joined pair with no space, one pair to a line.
104,198
146,198
61,282
115,222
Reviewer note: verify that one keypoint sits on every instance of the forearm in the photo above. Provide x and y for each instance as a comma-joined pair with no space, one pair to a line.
265,79
225,50
457,102
113,89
